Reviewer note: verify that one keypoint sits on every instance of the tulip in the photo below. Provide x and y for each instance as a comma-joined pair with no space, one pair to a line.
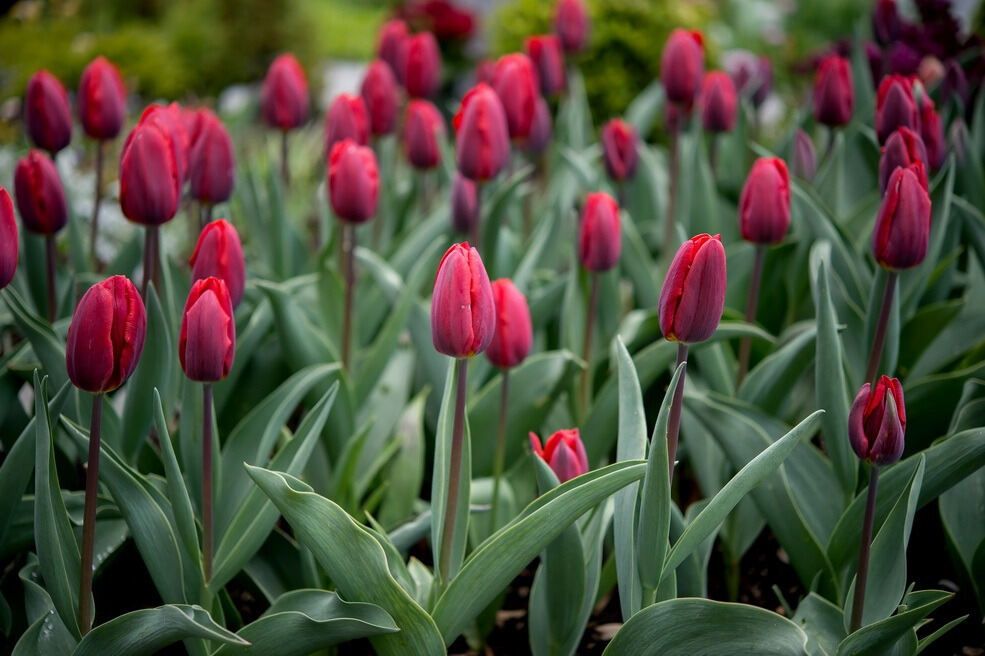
46,113
834,97
513,333
932,132
353,181
389,48
515,82
751,74
954,86
904,60
421,62
887,26
541,131
8,239
619,149
169,120
484,70
546,54
764,205
904,147
482,137
693,293
101,100
193,120
902,229
346,119
804,156
284,94
571,24
379,93
599,239
682,65
564,453
212,166
423,130
41,203
464,205
219,253
718,102
895,106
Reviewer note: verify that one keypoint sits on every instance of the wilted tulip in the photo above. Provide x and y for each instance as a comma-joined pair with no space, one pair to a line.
379,93
764,205
718,102
682,65
421,61
106,336
600,235
464,204
212,165
902,230
150,182
482,143
423,129
804,156
346,119
207,341
932,132
904,147
46,112
693,294
571,24
541,130
877,422
564,453
513,334
515,82
834,96
8,239
284,95
619,149
219,253
40,196
463,313
101,100
895,106
353,182
545,52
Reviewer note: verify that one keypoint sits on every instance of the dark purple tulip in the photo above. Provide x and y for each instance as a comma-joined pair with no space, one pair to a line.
895,106
764,205
40,196
955,84
207,340
541,131
887,26
693,294
804,156
902,59
682,65
546,54
213,167
834,97
464,204
46,112
619,149
102,100
423,129
932,132
379,93
877,422
600,234
219,253
463,313
718,102
752,75
902,230
904,147
8,239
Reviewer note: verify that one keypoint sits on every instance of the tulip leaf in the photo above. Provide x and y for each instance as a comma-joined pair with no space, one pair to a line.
768,384
914,282
880,637
406,471
821,620
47,346
494,202
181,503
304,345
46,636
248,341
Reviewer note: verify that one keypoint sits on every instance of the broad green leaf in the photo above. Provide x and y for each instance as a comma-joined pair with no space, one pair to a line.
822,621
46,635
181,503
879,637
303,343
768,384
406,471
47,346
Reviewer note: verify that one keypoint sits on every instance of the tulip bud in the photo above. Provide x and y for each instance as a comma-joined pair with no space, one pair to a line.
346,119
571,24
463,314
682,65
600,236
619,149
895,106
693,294
751,74
955,84
102,100
564,453
902,230
932,132
353,182
423,129
193,120
515,82
873,57
212,168
389,48
171,122
207,341
804,156
902,59
718,102
46,112
482,143
284,95
421,61
464,204
764,205
877,422
904,147
541,130
8,239
887,26
40,196
545,52
219,254
379,93
106,336
513,331
150,185
484,70
834,96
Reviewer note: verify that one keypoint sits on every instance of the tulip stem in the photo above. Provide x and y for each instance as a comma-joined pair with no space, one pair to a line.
349,247
829,148
89,515
97,198
674,420
713,155
477,224
285,172
875,355
863,550
204,215
586,351
49,244
670,220
207,477
150,258
504,394
755,280
454,471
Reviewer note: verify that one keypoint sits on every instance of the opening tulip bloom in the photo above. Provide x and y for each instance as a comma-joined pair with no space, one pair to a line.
564,453
904,147
513,333
212,166
284,94
834,96
346,119
8,239
219,253
546,54
682,65
895,106
47,115
207,341
464,204
718,102
423,129
764,205
101,100
877,422
600,235
353,181
804,156
379,93
515,82
541,131
463,313
40,196
693,294
619,149
421,61
902,229
150,181
482,142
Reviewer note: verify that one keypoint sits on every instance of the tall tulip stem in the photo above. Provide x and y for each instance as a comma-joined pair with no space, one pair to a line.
674,420
285,171
713,154
151,258
49,245
669,220
207,477
586,351
89,515
97,198
204,215
504,394
477,224
875,355
752,300
349,247
863,550
455,469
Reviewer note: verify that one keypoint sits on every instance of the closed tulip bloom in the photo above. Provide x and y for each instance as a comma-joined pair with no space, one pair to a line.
693,294
482,141
8,239
682,65
571,24
150,186
212,168
877,422
834,96
346,119
619,149
379,93
600,235
546,54
564,453
513,335
106,336
752,74
219,254
207,341
102,101
895,106
515,82
423,129
804,156
46,112
484,70
887,26
40,196
463,313
932,132
284,94
541,131
389,48
904,147
353,182
193,120
718,102
902,230
171,122
421,62
464,204
764,205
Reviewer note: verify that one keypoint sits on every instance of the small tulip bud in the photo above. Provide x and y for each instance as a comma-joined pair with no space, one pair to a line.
102,100
219,253
463,313
902,230
421,61
46,112
932,132
804,156
8,239
571,24
904,147
346,119
834,96
464,204
40,196
284,95
106,336
482,142
546,54
515,82
619,149
212,166
877,422
423,130
887,26
513,335
390,46
895,106
600,237
564,453
682,65
150,184
764,205
718,102
541,131
207,341
693,294
379,93
959,139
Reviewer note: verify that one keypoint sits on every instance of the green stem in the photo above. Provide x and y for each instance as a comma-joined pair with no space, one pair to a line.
500,449
49,245
89,516
285,172
863,550
755,281
455,471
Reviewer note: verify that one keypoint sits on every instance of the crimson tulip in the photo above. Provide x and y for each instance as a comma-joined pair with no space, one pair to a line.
463,312
8,239
284,94
390,46
902,229
932,132
877,422
219,253
541,131
513,333
764,205
718,102
682,65
101,100
834,96
212,165
546,54
47,115
353,181
346,119
423,130
464,204
895,106
904,147
150,180
40,196
482,143
379,93
804,156
693,294
600,236
619,149
421,62
515,82
207,341
170,121
564,453
484,70
571,24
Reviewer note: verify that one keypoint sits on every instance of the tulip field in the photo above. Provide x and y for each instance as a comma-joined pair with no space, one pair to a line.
459,365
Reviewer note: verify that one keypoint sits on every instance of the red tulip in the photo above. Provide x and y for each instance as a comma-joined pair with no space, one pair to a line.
193,121
887,26
564,453
619,149
541,131
353,181
150,184
682,65
600,236
764,205
482,143
571,24
390,46
40,197
219,254
513,335
421,61
932,132
515,82
207,341
804,156
463,313
379,93
834,97
106,336
904,147
464,204
545,52
169,120
212,167
423,129
484,70
877,422
8,239
46,112
902,230
284,95
102,100
346,119
718,102
693,294
895,106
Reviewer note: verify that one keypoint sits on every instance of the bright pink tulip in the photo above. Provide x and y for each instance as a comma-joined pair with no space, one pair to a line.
513,336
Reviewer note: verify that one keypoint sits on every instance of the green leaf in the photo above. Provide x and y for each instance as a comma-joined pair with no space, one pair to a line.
46,635
822,621
962,510
769,383
181,503
47,346
406,471
879,637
